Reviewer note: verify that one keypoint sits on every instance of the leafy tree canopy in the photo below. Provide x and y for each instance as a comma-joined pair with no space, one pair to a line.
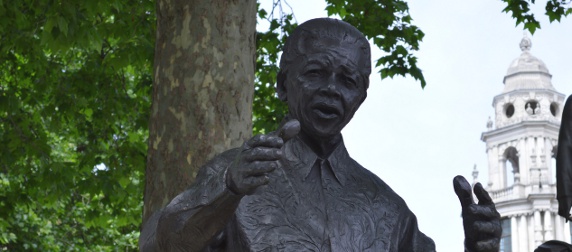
521,12
75,85
75,92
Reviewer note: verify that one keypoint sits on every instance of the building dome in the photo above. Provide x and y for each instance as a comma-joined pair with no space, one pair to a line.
526,63
526,71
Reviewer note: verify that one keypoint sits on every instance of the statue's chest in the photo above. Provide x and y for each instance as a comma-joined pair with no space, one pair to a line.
292,214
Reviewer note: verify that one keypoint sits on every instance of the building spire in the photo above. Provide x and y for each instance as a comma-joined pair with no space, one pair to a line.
525,43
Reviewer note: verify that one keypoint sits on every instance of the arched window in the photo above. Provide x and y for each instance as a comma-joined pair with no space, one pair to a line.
554,108
509,110
532,107
512,166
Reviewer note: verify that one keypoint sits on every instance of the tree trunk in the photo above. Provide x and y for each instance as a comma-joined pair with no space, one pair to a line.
202,93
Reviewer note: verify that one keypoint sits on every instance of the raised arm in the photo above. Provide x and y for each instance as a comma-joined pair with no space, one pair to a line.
193,219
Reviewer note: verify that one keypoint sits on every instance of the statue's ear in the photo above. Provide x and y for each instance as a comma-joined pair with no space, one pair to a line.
281,86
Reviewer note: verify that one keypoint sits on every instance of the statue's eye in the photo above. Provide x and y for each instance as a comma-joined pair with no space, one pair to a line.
349,81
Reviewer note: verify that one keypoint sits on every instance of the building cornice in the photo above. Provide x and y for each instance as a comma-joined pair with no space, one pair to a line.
521,127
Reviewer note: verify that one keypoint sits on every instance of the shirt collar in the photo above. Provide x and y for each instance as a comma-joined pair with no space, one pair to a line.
302,158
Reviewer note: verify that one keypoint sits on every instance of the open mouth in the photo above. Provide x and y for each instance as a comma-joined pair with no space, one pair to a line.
326,111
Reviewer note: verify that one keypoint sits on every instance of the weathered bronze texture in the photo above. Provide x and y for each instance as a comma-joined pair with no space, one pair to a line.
298,189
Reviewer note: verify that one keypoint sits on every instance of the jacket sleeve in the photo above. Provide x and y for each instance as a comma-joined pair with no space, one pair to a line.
196,217
413,240
564,162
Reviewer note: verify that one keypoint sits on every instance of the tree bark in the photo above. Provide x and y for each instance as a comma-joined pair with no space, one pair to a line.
202,93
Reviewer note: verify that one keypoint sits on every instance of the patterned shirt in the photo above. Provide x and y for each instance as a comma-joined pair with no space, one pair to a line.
310,204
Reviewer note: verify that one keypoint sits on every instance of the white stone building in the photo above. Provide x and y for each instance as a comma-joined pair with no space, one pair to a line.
520,149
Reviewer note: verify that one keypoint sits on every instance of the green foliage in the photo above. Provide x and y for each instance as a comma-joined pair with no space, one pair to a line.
520,11
75,83
268,111
386,23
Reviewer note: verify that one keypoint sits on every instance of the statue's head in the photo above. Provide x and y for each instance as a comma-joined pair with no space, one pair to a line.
324,75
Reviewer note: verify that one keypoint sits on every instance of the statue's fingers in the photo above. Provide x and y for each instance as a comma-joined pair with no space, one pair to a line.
249,184
263,154
289,130
276,138
256,181
463,191
482,195
482,212
260,168
490,245
488,228
268,140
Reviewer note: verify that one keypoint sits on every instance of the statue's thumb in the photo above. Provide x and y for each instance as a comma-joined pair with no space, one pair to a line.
289,130
463,191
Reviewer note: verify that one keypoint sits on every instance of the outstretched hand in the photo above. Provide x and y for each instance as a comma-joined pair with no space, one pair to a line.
259,157
481,221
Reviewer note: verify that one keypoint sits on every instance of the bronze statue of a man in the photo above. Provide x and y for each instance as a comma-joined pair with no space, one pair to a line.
297,189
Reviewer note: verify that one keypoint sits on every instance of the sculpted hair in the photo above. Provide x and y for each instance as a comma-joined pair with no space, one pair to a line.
324,33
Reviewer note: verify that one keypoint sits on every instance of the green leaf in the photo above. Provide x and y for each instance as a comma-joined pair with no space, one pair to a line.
63,25
124,181
88,113
532,26
262,13
342,13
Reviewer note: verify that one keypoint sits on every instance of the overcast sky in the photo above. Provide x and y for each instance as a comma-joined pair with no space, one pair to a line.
418,140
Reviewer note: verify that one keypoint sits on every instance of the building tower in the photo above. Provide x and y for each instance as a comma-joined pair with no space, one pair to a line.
520,149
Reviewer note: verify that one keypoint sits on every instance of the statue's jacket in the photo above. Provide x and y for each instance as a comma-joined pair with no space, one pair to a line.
310,204
564,162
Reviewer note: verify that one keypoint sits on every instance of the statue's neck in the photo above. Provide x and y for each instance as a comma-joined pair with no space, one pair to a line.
323,147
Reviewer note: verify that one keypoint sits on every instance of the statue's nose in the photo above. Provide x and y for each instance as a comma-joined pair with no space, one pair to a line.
331,88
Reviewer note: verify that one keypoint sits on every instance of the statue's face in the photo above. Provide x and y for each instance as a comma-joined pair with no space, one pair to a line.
324,89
